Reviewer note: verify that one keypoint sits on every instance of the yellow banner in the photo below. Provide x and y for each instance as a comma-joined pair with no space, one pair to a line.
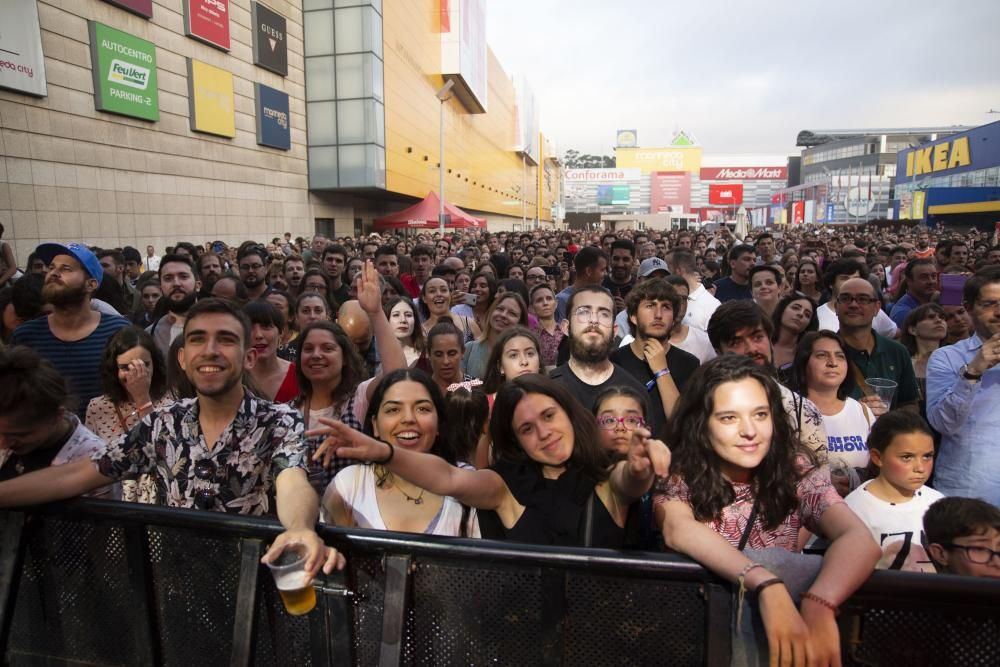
211,95
659,159
918,204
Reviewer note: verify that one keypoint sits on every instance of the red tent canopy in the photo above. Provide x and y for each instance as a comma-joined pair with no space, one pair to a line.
424,215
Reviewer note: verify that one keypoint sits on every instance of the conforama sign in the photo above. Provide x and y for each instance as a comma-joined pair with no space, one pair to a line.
725,195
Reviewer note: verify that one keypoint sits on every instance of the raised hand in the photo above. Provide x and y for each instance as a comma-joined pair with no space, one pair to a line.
645,454
369,289
655,354
136,381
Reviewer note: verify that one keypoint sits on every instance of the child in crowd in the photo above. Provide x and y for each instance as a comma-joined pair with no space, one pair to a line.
963,536
893,504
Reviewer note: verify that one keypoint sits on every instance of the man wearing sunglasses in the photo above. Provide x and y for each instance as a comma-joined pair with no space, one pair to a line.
223,451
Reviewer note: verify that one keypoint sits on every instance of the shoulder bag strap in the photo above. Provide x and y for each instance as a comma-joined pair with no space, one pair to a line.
588,520
750,522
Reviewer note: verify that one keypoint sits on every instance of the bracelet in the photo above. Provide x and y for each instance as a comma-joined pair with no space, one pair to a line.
392,452
656,376
807,595
144,406
744,571
770,582
741,578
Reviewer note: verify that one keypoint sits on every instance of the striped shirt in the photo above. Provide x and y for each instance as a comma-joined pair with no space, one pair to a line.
79,361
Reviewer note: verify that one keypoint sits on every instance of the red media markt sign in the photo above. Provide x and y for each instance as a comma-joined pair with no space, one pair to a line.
208,21
725,195
743,173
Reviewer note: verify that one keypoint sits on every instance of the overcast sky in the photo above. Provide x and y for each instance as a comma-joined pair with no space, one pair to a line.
746,76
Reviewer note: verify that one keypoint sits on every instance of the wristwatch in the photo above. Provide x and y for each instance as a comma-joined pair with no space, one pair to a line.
969,375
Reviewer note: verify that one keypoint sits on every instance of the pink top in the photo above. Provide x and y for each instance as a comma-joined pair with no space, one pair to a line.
816,495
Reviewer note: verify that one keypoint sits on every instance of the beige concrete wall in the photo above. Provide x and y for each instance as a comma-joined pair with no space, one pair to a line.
69,172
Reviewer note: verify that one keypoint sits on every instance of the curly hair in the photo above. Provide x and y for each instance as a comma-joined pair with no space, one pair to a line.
352,372
697,463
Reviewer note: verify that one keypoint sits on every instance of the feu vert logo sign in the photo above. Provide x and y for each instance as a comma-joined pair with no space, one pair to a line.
128,74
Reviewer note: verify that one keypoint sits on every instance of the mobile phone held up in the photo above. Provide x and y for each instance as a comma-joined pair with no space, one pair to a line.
469,299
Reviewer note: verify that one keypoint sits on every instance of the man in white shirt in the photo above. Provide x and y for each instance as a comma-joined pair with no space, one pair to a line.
701,304
152,261
836,275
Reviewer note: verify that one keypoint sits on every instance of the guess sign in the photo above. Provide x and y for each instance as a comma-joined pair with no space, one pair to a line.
270,42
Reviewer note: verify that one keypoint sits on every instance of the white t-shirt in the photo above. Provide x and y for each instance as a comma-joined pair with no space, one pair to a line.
882,324
697,343
897,528
847,435
356,486
701,305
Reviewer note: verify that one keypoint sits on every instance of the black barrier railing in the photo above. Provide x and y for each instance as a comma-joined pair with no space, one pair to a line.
93,582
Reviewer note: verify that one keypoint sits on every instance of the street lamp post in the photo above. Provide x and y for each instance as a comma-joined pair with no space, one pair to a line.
443,97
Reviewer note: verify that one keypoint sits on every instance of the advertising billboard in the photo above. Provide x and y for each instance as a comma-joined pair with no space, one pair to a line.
627,139
270,43
143,8
613,195
208,21
798,212
744,173
124,71
725,195
660,159
210,99
464,50
22,65
600,175
273,119
526,116
669,192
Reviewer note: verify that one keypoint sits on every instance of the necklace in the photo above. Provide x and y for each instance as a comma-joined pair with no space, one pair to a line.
419,500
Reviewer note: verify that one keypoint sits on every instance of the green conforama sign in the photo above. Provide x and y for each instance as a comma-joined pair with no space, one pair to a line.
124,69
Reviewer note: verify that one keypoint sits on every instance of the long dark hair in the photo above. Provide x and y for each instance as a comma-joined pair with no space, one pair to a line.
468,410
588,457
441,445
694,458
494,376
352,372
915,317
799,377
779,312
417,336
123,341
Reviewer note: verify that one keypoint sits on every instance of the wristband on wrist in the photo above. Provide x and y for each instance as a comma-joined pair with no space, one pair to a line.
770,582
808,595
656,376
392,452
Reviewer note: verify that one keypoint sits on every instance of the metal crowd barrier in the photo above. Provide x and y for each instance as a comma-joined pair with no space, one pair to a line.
101,583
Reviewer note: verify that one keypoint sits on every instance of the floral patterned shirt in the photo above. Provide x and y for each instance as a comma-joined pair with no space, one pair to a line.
262,440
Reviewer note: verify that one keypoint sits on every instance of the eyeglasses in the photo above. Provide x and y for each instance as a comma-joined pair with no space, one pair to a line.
251,267
586,315
609,423
535,276
978,555
860,299
988,305
204,499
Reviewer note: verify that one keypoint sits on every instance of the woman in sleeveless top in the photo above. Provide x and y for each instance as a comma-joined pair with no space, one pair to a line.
435,306
408,411
551,483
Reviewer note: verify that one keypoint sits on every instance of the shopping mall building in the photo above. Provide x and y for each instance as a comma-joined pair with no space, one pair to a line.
151,121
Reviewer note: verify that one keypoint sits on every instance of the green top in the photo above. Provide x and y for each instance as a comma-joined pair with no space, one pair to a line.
888,360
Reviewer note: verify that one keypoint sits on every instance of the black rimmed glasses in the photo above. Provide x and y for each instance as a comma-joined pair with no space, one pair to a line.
204,499
977,555
860,299
609,423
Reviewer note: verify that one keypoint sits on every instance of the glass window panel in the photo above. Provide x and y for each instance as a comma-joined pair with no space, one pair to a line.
379,112
308,5
357,122
351,79
323,167
318,33
378,79
375,27
350,30
353,166
320,78
321,118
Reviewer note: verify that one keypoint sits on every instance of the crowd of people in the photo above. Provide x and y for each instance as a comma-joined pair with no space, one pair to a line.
832,390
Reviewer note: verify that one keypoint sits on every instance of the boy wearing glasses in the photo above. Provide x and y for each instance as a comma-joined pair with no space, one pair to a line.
963,536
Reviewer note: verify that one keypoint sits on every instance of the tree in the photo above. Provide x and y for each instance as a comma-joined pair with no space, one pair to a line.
575,160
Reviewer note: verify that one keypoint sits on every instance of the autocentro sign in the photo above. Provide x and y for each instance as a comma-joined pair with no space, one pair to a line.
124,69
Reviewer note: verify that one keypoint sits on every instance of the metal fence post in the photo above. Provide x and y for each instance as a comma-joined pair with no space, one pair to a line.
145,647
394,608
11,554
246,603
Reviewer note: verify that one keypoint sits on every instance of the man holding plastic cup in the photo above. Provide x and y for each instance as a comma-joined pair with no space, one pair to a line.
223,451
871,356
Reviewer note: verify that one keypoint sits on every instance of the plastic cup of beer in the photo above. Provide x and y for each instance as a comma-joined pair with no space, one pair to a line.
885,390
294,585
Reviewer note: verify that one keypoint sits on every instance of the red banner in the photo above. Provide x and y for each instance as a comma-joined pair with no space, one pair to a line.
669,191
208,21
798,212
744,173
725,195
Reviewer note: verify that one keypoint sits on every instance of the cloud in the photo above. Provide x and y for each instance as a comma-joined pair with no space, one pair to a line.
748,76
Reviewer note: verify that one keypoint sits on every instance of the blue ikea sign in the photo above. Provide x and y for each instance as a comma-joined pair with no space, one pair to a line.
273,118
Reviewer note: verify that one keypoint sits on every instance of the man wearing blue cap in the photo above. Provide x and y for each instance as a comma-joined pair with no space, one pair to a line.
72,336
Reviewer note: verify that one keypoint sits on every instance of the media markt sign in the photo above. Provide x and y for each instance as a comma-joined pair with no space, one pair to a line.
124,69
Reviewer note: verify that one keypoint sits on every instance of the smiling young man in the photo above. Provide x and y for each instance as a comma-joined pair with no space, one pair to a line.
223,451
621,279
72,336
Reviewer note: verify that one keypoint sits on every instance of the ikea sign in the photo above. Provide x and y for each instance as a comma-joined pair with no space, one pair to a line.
938,157
978,148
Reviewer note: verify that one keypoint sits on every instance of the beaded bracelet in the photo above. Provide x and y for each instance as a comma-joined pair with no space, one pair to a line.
807,595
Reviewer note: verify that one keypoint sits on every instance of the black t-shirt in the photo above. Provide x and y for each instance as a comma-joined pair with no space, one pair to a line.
681,364
727,290
587,393
616,289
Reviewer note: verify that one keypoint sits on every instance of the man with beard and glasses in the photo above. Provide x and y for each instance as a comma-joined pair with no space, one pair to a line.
210,269
254,263
223,451
662,368
621,279
740,327
180,291
589,370
72,336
